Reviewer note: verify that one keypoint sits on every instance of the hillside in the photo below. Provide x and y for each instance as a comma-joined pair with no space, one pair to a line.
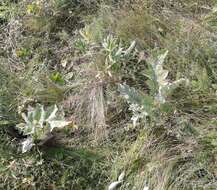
108,94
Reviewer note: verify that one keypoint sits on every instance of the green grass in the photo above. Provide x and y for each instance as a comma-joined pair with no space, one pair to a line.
54,167
44,59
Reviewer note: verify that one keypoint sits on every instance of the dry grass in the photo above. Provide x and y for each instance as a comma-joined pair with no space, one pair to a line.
176,150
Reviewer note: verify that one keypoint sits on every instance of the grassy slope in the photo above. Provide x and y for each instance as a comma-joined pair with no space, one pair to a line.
176,152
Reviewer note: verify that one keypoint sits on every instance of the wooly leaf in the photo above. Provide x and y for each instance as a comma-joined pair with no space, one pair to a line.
27,144
115,51
144,105
39,124
158,83
114,185
141,105
156,74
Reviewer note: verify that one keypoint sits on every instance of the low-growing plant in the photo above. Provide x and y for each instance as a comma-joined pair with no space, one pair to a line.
143,105
159,85
57,78
39,125
115,52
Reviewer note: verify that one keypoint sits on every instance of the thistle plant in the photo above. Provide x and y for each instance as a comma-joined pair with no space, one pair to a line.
39,124
143,105
158,83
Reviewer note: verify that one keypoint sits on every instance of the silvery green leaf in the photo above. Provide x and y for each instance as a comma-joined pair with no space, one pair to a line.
48,111
161,58
109,43
42,118
158,77
170,87
37,113
146,188
141,105
53,113
58,124
111,59
135,118
130,49
121,176
131,95
29,129
25,118
161,76
39,124
160,97
114,185
119,52
27,144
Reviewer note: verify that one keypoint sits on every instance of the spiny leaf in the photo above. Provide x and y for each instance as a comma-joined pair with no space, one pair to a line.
140,105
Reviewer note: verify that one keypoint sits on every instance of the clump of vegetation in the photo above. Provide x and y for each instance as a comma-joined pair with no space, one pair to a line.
133,81
38,125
